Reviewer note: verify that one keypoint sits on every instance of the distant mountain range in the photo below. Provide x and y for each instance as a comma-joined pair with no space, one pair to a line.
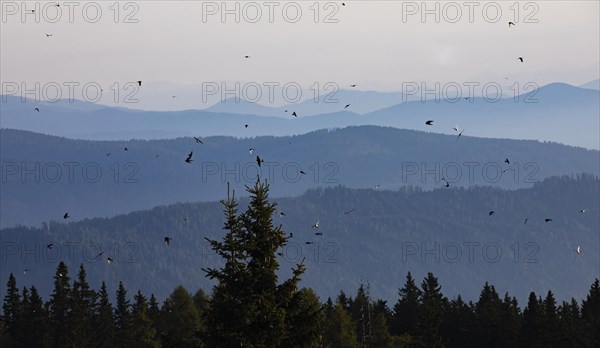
44,176
368,236
556,112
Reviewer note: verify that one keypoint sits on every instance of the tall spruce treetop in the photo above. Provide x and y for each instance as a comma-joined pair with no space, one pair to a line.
11,308
432,311
405,312
104,319
248,303
84,300
590,315
60,306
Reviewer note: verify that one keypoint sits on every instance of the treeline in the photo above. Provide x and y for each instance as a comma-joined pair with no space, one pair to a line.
78,316
251,307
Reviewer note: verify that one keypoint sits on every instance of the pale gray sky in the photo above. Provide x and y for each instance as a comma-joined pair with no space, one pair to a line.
370,45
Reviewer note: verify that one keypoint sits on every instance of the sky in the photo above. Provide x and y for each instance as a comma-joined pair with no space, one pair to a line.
378,45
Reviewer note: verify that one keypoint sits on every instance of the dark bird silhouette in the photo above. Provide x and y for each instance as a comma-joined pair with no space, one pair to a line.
521,59
66,216
26,270
343,4
126,149
108,154
246,126
583,210
281,214
459,134
198,140
547,220
36,109
100,254
156,156
447,183
109,260
294,114
185,219
349,211
139,83
259,161
510,23
309,243
279,254
526,219
189,157
168,240
302,172
492,213
507,161
429,123
50,246
48,35
347,105
318,233
246,57
352,86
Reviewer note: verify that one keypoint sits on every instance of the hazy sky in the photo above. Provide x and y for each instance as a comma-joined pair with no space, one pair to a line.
371,44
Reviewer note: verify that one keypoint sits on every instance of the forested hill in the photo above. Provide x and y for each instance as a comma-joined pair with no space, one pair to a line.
45,176
368,235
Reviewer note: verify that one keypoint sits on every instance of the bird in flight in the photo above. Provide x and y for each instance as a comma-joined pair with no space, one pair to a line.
168,240
318,233
26,270
316,225
343,4
198,140
281,214
349,211
492,213
309,243
459,134
66,216
510,23
578,250
352,86
302,172
259,161
126,149
108,154
50,246
526,219
109,260
245,126
507,161
429,123
583,210
521,59
294,114
184,219
189,157
455,128
48,35
251,150
446,181
100,254
37,109
377,186
246,57
347,105
139,83
547,220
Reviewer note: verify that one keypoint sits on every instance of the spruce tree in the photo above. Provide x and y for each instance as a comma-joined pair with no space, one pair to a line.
406,310
142,332
551,321
248,304
304,320
104,320
340,331
431,312
590,316
81,317
11,312
488,315
532,330
122,318
38,323
60,306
